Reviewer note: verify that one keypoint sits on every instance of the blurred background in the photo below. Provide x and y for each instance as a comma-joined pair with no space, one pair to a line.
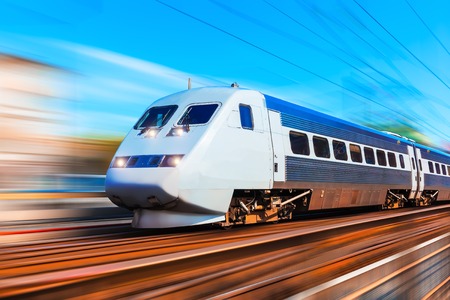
75,75
36,152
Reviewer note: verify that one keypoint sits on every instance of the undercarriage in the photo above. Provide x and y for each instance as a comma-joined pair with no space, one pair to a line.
427,198
398,198
260,206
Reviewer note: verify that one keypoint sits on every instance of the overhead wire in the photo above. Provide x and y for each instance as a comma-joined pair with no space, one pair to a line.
277,31
382,41
402,45
427,27
352,55
315,11
321,17
437,112
274,55
294,38
406,117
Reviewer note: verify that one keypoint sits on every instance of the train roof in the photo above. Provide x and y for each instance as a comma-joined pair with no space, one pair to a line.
296,110
434,154
286,108
200,94
293,109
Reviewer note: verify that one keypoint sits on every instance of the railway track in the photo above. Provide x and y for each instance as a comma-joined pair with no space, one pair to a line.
395,254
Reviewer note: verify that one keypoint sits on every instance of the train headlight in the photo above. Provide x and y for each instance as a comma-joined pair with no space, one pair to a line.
120,161
151,133
178,131
171,161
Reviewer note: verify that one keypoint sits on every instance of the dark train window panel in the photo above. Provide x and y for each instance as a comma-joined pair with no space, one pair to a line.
413,164
245,112
355,153
402,161
340,150
369,155
438,169
321,147
420,164
392,160
444,171
299,143
198,114
381,157
156,116
431,167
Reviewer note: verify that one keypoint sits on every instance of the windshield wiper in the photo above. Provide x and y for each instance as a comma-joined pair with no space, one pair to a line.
186,121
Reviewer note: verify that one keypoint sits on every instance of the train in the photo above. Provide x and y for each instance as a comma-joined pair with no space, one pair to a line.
229,155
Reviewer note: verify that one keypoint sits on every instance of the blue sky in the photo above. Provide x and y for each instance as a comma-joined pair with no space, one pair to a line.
385,63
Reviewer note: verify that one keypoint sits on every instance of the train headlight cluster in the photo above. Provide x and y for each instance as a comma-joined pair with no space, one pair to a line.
147,161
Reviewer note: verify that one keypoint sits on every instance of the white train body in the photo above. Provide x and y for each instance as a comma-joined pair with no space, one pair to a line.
226,155
217,157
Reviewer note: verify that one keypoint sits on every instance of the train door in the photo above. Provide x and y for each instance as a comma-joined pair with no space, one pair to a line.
277,146
421,179
417,177
412,160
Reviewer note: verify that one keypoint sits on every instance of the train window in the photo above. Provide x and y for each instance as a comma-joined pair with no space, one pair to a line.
444,171
438,169
299,143
402,161
420,164
430,166
381,157
355,153
392,160
321,147
245,111
413,164
339,150
156,116
369,155
198,114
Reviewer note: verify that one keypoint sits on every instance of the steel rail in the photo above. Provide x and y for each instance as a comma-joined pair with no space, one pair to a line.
39,282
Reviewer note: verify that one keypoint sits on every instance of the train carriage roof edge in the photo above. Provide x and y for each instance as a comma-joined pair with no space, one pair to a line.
313,115
296,110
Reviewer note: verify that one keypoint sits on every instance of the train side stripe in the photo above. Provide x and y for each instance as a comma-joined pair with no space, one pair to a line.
314,170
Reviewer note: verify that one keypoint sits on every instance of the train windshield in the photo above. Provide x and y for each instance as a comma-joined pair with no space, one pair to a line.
156,116
198,114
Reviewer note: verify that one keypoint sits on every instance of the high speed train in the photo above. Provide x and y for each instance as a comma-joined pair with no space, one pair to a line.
227,155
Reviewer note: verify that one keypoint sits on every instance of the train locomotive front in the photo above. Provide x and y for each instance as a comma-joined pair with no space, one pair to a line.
182,161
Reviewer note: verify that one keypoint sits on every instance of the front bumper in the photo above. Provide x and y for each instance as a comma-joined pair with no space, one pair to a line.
142,187
144,218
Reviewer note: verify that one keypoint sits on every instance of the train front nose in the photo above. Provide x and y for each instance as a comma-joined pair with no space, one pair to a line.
142,187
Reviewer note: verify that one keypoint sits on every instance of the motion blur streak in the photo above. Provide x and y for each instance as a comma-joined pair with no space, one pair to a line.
35,115
372,256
